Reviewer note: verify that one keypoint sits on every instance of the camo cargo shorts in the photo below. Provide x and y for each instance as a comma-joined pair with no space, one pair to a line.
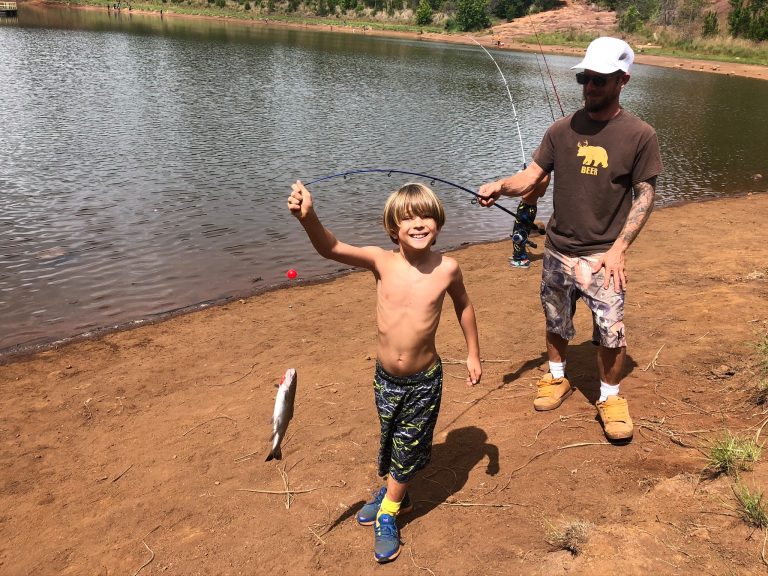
408,407
565,279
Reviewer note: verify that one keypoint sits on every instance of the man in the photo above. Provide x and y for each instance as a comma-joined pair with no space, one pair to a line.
605,162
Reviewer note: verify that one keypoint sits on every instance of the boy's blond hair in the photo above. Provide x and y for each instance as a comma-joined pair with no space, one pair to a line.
410,200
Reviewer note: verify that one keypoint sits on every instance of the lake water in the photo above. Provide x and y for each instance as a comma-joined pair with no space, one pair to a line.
146,162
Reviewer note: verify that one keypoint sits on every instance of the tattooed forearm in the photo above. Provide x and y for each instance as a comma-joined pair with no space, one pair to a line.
640,211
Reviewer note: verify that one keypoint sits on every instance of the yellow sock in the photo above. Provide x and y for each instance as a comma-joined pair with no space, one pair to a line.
388,507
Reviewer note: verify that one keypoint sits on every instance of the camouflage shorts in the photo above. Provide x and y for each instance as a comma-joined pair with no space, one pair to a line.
565,279
408,407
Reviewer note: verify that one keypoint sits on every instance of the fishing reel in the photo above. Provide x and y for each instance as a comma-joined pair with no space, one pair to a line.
521,237
524,223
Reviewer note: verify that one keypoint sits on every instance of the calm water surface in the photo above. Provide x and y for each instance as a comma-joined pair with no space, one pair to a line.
146,162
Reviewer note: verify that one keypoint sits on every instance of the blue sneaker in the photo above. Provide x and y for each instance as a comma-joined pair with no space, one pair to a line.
386,539
366,516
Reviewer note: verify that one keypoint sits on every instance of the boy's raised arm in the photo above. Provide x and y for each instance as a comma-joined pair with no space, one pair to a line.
465,313
326,244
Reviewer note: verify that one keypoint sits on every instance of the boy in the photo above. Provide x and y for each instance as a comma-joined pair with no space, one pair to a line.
411,284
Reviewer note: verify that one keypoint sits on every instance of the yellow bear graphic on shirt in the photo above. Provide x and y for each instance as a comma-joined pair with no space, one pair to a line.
594,156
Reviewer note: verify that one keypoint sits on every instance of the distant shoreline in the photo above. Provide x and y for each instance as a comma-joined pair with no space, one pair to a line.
728,68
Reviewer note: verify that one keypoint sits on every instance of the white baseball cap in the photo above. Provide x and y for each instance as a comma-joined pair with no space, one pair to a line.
606,55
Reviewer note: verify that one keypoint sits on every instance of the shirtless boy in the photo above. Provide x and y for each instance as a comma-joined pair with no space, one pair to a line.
411,283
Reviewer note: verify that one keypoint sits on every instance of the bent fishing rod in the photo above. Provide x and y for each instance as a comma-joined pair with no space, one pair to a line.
511,100
546,64
390,171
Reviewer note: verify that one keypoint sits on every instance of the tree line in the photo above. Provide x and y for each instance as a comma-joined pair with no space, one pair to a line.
746,19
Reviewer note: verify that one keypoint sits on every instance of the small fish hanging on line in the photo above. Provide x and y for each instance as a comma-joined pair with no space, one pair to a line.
283,412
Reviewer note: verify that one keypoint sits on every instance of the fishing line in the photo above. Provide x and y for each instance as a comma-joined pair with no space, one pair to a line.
544,84
547,66
390,171
506,85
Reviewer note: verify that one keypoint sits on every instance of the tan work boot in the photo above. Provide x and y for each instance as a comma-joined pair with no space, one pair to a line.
614,416
551,392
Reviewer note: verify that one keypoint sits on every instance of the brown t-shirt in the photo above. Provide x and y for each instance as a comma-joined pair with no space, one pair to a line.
595,166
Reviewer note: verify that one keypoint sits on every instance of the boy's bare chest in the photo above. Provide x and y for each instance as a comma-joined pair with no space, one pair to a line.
411,291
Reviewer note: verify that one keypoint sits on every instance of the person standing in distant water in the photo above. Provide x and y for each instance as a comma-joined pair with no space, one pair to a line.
605,162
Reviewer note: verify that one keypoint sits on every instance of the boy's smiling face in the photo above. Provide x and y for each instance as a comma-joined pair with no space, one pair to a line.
417,232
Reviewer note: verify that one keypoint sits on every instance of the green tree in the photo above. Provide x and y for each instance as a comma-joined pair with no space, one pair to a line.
424,13
472,15
711,24
511,9
630,21
749,19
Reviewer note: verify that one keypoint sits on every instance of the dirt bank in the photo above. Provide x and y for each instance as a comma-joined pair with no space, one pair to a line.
137,449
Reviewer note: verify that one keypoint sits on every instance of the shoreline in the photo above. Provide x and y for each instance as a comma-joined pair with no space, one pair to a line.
486,39
26,351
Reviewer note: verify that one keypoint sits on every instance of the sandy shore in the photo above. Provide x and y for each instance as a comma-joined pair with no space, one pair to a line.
145,448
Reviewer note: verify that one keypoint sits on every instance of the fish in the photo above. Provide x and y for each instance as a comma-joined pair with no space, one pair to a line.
283,412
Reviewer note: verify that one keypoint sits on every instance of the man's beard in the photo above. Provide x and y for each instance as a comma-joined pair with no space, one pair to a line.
596,103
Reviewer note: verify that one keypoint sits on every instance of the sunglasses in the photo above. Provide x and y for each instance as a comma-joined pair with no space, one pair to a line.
598,81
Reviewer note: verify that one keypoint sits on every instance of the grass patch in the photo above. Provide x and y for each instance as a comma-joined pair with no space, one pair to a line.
731,454
752,506
761,392
573,38
762,354
571,536
671,43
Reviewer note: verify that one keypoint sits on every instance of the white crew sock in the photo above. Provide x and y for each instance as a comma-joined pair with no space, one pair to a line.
557,369
607,390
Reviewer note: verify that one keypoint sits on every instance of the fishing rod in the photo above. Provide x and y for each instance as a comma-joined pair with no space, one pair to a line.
506,85
546,64
390,171
544,84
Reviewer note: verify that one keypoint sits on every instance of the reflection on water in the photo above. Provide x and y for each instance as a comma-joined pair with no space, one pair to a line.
146,161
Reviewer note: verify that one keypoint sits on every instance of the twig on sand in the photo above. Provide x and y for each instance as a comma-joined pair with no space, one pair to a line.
207,421
147,563
482,360
535,456
316,535
759,430
653,363
483,505
323,527
116,478
321,386
659,428
559,419
291,491
410,551
762,554
238,379
241,459
667,544
294,491
288,495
